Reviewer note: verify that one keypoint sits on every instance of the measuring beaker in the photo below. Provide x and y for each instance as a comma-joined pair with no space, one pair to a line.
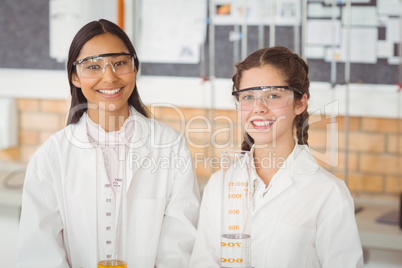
111,206
237,209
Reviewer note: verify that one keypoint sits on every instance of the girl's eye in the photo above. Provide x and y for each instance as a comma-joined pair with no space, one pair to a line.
120,63
273,96
247,97
93,67
276,94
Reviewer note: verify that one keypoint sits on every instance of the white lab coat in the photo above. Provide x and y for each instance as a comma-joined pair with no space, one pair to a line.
305,220
58,221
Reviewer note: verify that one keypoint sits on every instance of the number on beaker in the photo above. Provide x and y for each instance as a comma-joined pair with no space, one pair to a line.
233,227
223,244
234,211
232,260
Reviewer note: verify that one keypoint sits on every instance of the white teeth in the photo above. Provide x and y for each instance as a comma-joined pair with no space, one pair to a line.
109,92
262,123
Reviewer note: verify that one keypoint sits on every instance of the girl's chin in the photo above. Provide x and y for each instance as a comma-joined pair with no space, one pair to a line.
261,139
111,107
260,135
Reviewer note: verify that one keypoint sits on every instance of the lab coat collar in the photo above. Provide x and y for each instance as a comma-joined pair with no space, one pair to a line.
97,133
140,142
299,163
302,162
77,135
142,133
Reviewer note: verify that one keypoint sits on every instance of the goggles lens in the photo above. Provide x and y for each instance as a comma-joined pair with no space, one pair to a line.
271,97
95,66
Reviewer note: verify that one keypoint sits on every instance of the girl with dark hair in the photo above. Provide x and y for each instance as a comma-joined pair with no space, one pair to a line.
58,221
303,216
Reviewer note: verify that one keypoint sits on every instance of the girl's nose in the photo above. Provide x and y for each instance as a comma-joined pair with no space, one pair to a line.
260,106
109,73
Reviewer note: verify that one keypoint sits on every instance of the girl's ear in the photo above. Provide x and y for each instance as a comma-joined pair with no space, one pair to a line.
301,105
76,80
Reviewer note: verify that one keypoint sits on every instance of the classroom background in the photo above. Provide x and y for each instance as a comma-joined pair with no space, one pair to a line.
188,50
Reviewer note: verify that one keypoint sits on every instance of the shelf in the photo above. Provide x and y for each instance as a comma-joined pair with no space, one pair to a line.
374,234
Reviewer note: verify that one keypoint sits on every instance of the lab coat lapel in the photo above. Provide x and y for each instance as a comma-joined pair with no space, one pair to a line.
283,182
77,134
139,144
85,152
303,162
299,163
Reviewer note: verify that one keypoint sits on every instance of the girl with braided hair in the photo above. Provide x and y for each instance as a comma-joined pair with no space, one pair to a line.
303,216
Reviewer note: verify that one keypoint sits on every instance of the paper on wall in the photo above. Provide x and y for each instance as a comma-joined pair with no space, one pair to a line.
393,37
315,52
363,45
317,10
172,31
384,49
259,12
361,16
66,17
323,32
389,7
393,33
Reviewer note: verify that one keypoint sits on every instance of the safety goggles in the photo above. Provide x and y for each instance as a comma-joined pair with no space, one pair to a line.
273,97
95,66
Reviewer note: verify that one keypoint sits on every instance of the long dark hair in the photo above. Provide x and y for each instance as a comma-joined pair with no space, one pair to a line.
295,72
86,33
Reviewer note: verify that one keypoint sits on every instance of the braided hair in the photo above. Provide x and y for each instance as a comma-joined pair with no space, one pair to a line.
295,72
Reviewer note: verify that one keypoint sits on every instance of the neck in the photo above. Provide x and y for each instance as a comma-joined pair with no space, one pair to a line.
109,120
268,158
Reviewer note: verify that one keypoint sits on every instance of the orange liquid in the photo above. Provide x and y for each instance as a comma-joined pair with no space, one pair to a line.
112,263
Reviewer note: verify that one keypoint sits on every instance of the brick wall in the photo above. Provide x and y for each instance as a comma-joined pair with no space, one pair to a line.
38,120
374,160
375,144
375,153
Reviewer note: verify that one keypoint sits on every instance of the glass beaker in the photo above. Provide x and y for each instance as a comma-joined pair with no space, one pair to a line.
237,209
111,206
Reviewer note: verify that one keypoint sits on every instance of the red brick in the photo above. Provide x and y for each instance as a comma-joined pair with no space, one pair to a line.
365,183
28,104
384,125
379,164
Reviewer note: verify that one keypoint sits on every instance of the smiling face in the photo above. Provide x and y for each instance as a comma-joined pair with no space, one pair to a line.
108,93
267,126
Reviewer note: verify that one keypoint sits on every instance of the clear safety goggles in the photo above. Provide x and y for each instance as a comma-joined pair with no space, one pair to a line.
95,66
273,97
